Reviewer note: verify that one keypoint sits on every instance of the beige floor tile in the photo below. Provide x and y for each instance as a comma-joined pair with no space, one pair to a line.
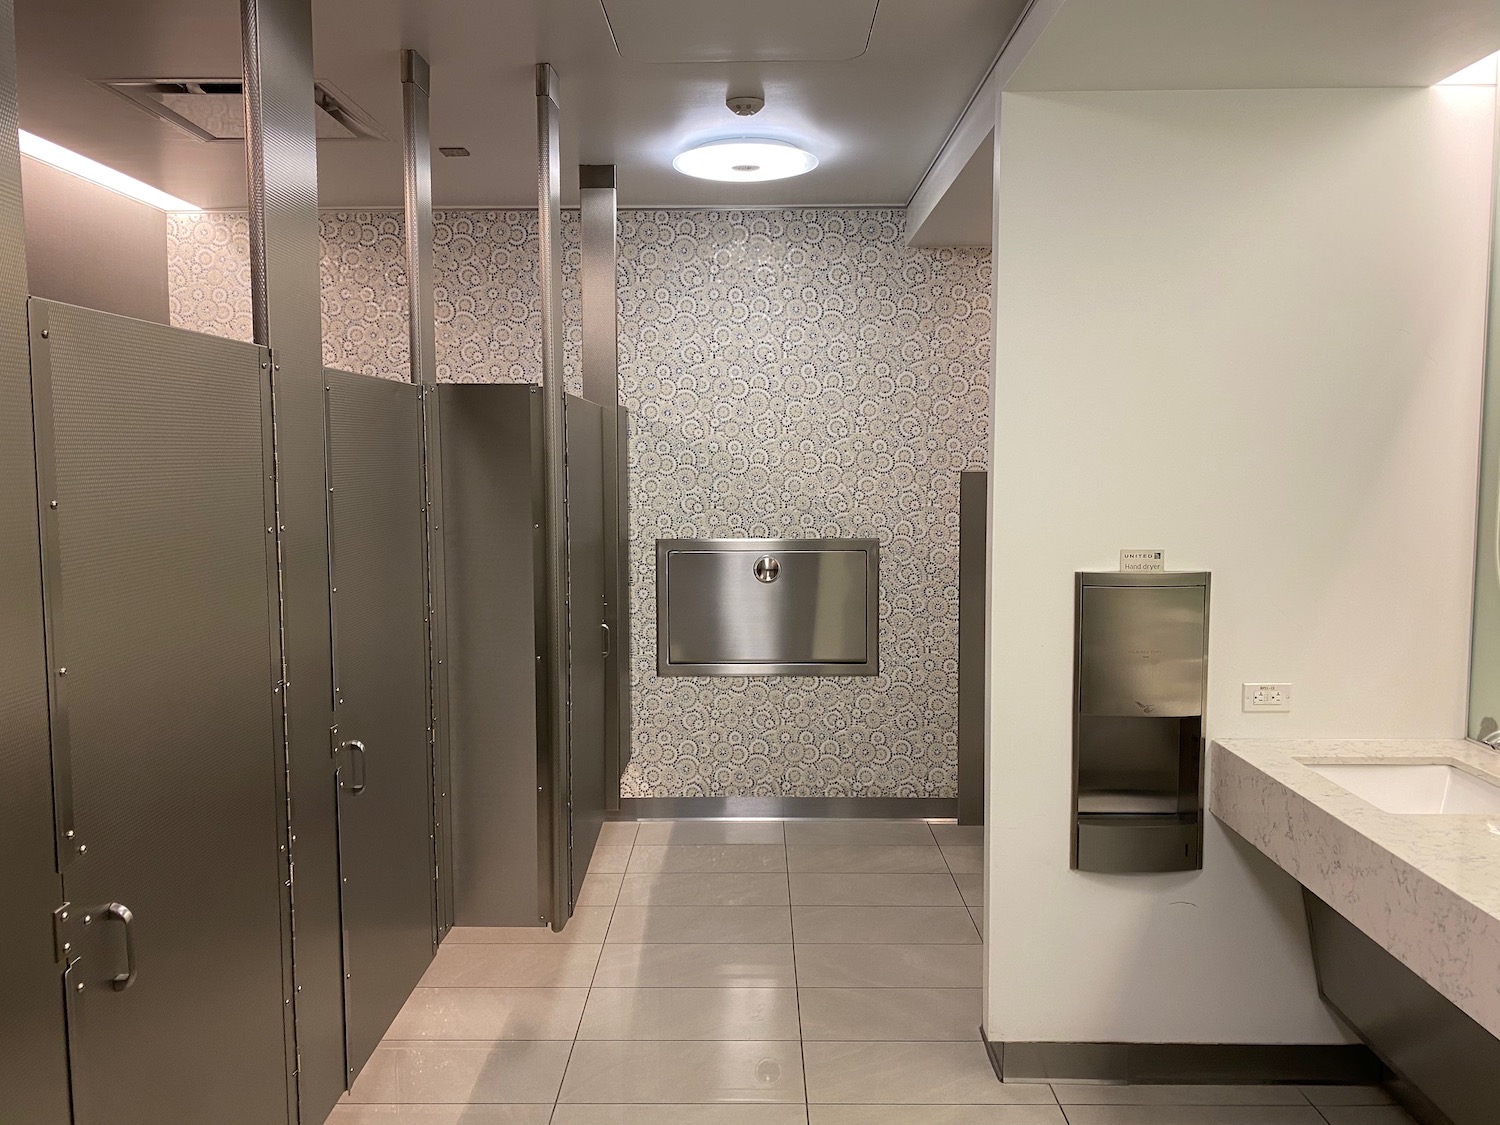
599,889
587,927
683,1072
490,1013
658,832
887,925
971,887
697,966
918,1014
691,1013
1367,1115
889,966
865,859
935,1115
959,835
350,1114
916,1073
512,966
875,890
610,859
704,888
1193,1115
651,859
617,833
462,1073
680,925
884,832
1094,1094
721,1114
964,861
1347,1095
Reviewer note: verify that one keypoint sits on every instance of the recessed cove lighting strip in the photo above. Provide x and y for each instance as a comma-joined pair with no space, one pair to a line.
81,166
1482,73
745,160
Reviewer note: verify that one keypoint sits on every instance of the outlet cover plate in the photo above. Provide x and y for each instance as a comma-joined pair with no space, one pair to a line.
1267,697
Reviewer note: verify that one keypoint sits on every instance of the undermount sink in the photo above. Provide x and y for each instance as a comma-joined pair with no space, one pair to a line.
1415,787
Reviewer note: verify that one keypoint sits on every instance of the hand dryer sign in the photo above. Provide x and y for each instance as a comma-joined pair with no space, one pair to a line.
1142,560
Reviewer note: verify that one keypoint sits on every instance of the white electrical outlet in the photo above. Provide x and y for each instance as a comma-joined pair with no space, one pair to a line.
1268,697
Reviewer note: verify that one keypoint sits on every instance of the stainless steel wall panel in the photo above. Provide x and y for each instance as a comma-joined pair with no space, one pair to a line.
973,673
589,639
385,796
162,589
497,634
33,1050
617,666
742,607
554,484
599,279
281,150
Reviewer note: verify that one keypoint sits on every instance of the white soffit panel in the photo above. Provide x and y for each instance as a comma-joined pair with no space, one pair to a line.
697,31
1257,44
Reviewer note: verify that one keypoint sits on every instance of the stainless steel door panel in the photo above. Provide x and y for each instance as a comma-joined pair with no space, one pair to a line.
588,637
1141,650
493,555
33,1048
770,605
384,795
160,599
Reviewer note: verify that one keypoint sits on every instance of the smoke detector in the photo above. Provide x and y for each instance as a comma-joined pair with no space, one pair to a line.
747,106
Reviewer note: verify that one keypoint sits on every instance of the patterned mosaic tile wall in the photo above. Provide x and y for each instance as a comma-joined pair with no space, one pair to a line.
791,373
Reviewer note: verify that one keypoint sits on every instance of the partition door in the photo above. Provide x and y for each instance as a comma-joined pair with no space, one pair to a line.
379,757
159,583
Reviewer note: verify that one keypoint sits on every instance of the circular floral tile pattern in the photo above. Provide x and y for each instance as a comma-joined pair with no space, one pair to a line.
790,373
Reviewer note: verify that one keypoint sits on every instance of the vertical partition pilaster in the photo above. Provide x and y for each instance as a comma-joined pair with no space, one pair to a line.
281,148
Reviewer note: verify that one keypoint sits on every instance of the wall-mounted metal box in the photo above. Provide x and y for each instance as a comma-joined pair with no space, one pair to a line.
767,607
1141,668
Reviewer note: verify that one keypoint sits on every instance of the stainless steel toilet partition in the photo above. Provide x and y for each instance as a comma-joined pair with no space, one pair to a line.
1141,667
768,607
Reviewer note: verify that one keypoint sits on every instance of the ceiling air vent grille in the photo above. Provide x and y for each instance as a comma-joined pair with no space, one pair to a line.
213,109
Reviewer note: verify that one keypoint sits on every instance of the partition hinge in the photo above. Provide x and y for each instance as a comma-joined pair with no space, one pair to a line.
64,931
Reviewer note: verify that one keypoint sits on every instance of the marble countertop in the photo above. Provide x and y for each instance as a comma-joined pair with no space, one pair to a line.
1425,887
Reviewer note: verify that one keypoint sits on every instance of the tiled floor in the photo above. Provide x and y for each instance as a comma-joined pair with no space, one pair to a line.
755,973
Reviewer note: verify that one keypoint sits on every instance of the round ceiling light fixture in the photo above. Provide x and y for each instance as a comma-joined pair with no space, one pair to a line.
745,160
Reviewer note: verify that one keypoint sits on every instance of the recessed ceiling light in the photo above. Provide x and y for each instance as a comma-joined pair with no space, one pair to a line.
81,166
745,160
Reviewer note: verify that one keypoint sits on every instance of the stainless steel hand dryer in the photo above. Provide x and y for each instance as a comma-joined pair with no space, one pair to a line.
1141,673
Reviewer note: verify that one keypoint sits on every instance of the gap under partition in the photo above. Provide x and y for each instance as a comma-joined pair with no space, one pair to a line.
763,808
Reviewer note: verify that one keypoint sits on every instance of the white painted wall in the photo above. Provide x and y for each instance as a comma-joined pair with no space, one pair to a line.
1245,327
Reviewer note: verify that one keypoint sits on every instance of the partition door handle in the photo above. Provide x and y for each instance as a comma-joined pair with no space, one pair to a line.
119,912
608,639
357,765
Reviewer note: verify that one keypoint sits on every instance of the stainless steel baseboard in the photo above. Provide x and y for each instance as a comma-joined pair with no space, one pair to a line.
790,808
1185,1063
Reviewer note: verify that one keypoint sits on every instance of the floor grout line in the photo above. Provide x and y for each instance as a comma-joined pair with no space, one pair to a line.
588,992
791,922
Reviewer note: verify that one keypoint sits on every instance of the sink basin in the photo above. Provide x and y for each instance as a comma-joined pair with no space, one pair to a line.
1415,787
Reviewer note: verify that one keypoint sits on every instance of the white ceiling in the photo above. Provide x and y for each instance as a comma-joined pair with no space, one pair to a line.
1115,45
875,120
1257,44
